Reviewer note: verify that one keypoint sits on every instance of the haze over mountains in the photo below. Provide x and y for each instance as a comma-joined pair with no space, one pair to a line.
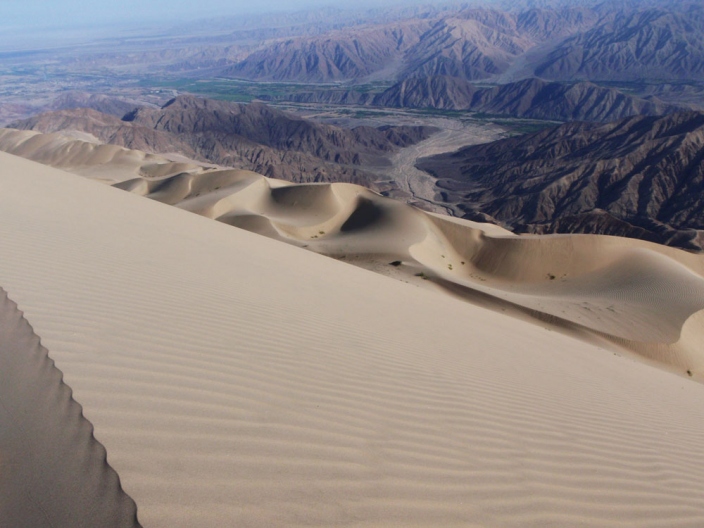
566,43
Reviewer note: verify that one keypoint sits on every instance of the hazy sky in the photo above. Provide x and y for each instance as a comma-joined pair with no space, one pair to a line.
41,13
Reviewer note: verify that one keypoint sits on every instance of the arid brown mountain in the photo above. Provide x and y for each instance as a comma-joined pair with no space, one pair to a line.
530,98
472,45
102,103
254,136
331,96
641,177
477,43
653,43
469,43
608,41
263,125
546,24
348,54
688,93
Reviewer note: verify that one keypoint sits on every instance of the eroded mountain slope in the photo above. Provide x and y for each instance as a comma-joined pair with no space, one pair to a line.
640,177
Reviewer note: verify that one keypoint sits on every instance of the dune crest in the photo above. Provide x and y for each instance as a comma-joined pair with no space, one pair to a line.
53,472
87,156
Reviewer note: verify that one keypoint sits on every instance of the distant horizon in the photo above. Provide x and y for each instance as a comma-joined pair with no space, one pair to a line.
81,14
43,24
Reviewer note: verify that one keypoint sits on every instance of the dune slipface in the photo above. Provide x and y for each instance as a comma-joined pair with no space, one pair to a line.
53,473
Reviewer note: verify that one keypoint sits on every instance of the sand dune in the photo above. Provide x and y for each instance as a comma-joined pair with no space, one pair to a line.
83,154
630,294
238,381
635,294
52,471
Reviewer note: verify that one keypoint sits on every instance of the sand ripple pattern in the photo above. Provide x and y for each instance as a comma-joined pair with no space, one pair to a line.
237,381
634,294
53,473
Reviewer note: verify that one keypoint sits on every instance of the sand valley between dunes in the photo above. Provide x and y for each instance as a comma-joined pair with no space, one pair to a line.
234,380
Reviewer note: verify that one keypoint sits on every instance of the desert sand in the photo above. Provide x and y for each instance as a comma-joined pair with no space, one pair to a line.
84,154
238,381
632,296
52,470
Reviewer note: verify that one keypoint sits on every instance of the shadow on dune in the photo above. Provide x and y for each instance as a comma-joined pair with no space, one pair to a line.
53,472
635,294
365,215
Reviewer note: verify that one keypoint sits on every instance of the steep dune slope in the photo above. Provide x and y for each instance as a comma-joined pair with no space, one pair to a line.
239,381
54,472
612,287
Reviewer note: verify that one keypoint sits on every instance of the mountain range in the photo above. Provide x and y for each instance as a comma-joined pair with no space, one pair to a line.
529,98
254,136
653,43
604,42
640,177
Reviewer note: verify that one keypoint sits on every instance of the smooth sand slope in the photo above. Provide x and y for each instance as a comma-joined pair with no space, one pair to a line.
52,471
629,294
83,154
238,381
638,295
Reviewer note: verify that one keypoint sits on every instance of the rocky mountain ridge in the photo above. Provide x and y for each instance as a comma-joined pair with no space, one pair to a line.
654,43
530,98
608,41
255,137
641,177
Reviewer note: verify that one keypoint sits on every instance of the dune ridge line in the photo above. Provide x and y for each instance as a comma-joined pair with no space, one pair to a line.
53,472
